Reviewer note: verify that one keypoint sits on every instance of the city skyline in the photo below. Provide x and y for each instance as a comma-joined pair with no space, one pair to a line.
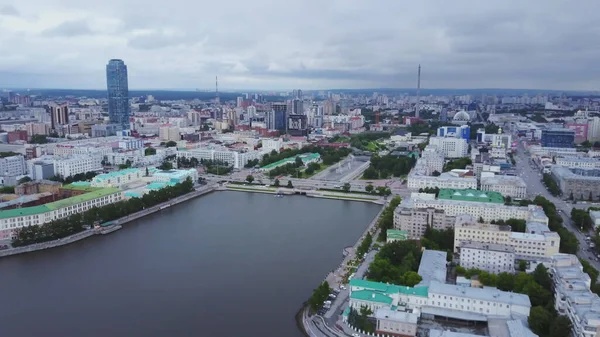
460,44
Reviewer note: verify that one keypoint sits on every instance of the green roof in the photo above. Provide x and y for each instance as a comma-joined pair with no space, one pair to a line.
346,312
306,157
25,211
116,173
81,198
394,234
389,288
369,285
34,210
471,195
81,186
371,296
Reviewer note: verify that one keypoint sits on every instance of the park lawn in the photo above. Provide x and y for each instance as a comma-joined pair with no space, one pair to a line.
323,168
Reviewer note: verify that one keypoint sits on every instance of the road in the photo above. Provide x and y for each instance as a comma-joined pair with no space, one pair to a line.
533,177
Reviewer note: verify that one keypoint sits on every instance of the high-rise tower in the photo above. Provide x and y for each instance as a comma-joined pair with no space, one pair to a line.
418,105
118,93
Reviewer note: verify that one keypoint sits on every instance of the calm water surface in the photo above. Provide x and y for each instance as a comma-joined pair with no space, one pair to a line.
226,264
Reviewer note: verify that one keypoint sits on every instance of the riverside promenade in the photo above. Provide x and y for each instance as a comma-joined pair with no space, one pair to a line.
89,232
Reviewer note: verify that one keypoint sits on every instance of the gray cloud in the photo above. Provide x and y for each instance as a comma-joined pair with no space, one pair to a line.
9,10
546,44
69,29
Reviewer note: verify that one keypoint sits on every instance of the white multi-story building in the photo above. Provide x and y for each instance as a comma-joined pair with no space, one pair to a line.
509,186
573,297
269,144
416,182
13,219
537,242
490,257
117,178
439,299
70,150
573,162
13,166
66,167
433,159
235,158
451,147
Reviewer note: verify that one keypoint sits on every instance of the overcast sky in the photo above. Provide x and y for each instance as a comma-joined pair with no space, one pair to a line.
308,44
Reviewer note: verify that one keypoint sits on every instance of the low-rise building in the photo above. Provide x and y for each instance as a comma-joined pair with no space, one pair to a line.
396,323
416,182
508,186
117,178
578,162
432,267
175,176
13,219
493,258
580,182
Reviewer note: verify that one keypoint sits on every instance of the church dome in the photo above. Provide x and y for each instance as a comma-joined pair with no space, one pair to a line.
461,116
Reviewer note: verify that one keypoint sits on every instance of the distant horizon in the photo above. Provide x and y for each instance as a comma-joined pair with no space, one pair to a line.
236,90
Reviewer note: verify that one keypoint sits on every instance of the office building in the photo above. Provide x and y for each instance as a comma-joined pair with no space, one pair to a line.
558,137
77,164
106,130
577,162
37,129
41,170
451,147
537,242
415,182
169,133
582,183
493,258
463,131
423,210
508,186
118,93
59,116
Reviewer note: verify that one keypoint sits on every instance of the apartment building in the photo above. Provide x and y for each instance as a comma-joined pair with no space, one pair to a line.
13,219
493,258
416,182
66,167
573,297
537,242
508,186
13,166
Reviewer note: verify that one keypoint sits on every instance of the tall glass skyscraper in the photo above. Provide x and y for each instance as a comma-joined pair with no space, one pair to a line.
118,93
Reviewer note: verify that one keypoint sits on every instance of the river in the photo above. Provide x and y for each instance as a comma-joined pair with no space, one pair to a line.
225,264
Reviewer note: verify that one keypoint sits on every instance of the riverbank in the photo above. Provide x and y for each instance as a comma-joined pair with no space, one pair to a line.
90,232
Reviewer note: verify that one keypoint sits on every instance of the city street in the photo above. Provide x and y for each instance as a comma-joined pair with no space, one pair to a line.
535,187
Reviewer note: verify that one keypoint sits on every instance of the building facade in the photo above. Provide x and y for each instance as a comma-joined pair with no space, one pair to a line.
13,166
77,164
451,147
508,186
493,258
558,137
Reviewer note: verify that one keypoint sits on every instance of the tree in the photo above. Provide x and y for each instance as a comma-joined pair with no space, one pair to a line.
369,188
522,265
436,174
364,246
165,166
147,172
250,179
539,321
507,200
410,279
171,143
540,275
24,180
319,296
346,187
149,151
505,281
561,326
537,294
480,220
289,184
276,183
298,162
38,139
